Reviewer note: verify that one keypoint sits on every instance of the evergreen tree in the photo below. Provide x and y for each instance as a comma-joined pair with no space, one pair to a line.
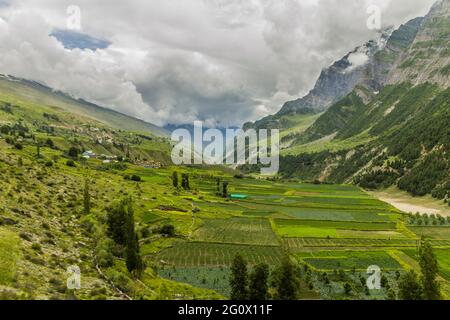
218,186
116,220
429,268
185,181
287,281
239,279
175,179
132,256
410,287
38,150
225,189
73,152
258,286
86,198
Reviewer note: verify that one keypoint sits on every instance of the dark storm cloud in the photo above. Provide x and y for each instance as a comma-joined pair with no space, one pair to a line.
222,61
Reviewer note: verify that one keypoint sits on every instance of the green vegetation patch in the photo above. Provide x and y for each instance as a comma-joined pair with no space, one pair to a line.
349,260
443,258
299,244
9,255
336,229
215,278
192,254
237,230
432,232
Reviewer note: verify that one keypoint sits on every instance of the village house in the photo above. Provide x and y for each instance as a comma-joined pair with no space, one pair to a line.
89,154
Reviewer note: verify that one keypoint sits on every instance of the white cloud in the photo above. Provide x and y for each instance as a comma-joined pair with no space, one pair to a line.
222,61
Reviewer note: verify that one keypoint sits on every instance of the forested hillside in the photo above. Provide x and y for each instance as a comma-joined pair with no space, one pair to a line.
392,128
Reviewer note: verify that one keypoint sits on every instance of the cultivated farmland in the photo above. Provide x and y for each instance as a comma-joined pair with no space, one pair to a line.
237,230
189,254
325,227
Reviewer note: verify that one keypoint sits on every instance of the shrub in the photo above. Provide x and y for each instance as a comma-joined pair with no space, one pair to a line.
168,230
36,247
136,178
70,163
73,152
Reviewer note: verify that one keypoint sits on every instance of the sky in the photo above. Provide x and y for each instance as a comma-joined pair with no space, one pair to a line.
223,62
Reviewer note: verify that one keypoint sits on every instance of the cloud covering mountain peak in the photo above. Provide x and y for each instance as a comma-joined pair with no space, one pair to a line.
223,61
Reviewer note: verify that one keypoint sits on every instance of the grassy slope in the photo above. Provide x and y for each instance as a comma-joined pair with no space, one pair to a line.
9,255
32,92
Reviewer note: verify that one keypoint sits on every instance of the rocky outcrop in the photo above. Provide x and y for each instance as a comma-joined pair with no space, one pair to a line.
367,66
428,58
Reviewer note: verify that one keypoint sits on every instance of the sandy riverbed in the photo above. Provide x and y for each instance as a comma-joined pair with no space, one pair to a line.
406,203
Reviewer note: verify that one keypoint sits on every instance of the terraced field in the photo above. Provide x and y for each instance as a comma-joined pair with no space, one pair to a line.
237,230
432,232
296,244
443,257
326,227
349,260
191,254
335,229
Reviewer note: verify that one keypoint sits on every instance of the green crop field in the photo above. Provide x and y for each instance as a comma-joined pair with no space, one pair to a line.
237,230
189,254
443,258
333,229
349,260
432,232
296,244
216,278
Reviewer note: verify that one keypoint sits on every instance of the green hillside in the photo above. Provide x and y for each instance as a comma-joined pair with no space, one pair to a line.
30,91
396,134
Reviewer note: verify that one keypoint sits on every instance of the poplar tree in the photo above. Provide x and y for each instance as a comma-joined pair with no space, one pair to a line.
175,179
225,189
239,279
287,282
258,286
429,268
410,287
132,255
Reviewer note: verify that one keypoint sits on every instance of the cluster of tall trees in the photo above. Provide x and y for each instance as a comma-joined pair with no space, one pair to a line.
184,181
121,228
261,284
222,188
424,286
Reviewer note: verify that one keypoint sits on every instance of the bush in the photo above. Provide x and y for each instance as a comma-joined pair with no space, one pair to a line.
18,146
36,247
73,152
136,178
70,163
168,230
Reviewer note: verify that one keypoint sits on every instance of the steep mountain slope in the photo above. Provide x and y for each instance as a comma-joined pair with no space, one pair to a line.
393,127
428,58
38,93
375,60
